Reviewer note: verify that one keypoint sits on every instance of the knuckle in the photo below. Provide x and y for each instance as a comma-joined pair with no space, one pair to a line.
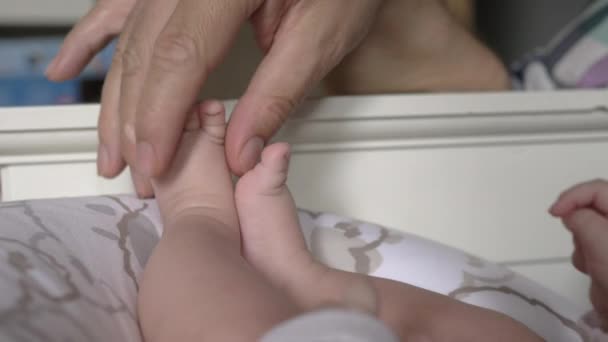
175,49
131,61
118,53
110,19
150,122
278,109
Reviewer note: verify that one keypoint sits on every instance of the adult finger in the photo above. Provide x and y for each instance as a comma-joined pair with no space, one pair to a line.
193,42
588,194
308,44
109,158
91,34
266,21
147,25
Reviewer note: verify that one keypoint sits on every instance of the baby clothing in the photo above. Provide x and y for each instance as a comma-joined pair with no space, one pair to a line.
331,325
577,57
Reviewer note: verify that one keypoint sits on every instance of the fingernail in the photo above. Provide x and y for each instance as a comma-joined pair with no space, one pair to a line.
250,154
146,158
103,159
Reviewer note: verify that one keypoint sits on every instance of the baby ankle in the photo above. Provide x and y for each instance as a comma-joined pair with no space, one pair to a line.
221,225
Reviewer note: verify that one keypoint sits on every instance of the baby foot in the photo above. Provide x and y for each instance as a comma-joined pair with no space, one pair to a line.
268,218
196,285
274,245
273,242
198,181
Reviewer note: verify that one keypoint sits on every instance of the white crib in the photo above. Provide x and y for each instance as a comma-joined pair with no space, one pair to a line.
473,171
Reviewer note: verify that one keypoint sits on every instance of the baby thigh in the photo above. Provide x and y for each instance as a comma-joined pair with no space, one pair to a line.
197,286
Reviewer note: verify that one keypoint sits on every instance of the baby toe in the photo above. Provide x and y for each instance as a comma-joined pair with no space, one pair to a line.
272,170
213,118
275,158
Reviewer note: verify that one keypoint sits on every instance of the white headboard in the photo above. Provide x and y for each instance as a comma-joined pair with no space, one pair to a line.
475,171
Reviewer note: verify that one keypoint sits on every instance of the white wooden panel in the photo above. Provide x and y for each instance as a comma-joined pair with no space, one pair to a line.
491,201
59,180
561,278
42,12
350,107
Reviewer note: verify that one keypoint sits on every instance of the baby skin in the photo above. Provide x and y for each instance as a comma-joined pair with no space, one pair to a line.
232,262
584,211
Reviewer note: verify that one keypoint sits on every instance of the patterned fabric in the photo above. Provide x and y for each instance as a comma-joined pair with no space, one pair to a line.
70,270
577,57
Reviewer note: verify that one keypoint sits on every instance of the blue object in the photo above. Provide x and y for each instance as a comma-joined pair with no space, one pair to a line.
33,91
22,65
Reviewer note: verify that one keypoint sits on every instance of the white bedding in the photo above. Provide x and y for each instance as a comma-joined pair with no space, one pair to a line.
71,269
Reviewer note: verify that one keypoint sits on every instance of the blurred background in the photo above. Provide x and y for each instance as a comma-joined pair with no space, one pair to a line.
31,32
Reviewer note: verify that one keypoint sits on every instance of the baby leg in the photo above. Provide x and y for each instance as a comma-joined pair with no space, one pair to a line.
196,285
273,243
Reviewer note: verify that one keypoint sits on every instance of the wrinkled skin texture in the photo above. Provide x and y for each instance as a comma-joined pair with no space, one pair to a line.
166,50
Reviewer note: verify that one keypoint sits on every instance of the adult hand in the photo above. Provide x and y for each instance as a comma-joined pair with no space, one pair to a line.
166,51
91,34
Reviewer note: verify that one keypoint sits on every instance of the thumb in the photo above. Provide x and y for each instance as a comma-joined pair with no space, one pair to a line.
308,44
276,88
